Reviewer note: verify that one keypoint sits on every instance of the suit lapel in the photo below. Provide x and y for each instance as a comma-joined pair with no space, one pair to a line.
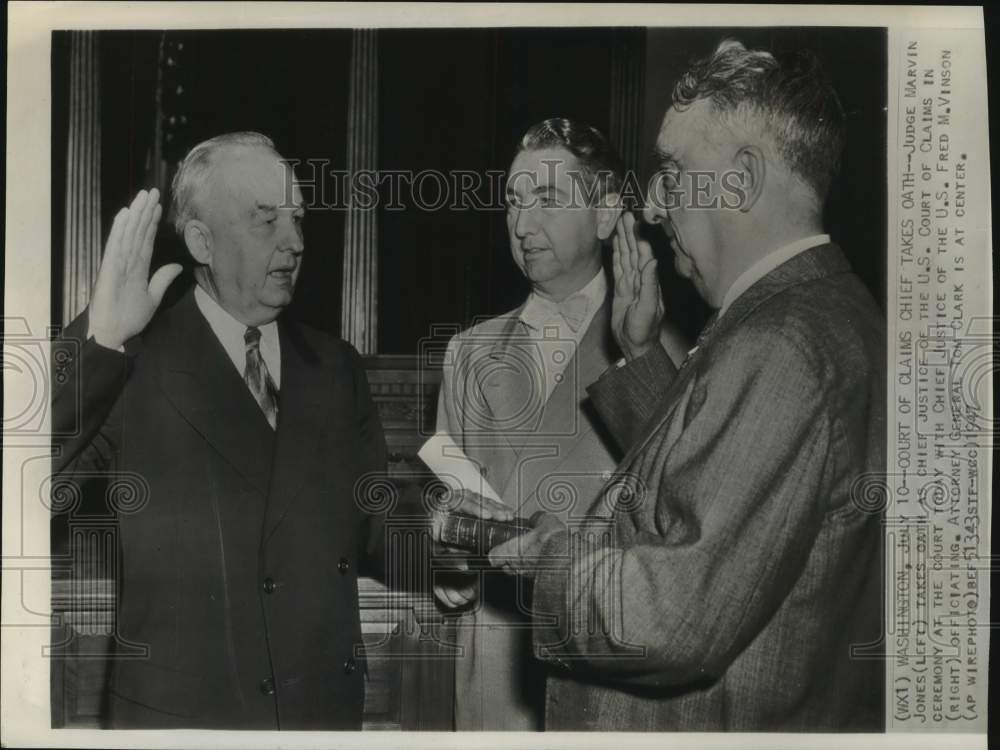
304,419
510,387
201,382
592,357
565,424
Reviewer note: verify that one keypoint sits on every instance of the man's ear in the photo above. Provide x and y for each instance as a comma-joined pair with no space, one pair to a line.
753,171
198,238
608,211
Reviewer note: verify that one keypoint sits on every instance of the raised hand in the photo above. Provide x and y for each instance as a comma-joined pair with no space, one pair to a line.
125,298
637,308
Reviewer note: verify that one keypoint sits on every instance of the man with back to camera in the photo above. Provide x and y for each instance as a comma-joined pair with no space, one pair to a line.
739,572
239,574
513,398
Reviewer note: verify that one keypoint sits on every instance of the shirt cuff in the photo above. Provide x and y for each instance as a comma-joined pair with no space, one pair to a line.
90,336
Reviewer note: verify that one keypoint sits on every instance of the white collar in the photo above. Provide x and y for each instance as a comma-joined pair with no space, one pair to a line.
768,263
540,308
230,332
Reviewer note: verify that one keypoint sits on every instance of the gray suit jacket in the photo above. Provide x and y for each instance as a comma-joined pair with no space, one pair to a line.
739,584
553,455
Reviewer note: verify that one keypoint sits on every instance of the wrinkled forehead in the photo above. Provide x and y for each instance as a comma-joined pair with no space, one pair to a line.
534,170
254,176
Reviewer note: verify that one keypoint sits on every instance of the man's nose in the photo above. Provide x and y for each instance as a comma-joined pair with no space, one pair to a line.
291,240
524,223
653,213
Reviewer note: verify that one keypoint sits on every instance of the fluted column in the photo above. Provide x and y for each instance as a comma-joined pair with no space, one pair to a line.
359,305
627,92
83,176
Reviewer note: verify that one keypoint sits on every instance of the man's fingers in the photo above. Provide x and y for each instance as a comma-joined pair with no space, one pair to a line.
507,556
483,507
628,220
630,275
112,249
501,555
151,222
626,257
143,221
628,224
132,224
621,284
644,252
453,598
649,292
162,279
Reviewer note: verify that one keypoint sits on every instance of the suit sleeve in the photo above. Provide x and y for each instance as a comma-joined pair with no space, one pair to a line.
372,441
738,501
87,381
626,397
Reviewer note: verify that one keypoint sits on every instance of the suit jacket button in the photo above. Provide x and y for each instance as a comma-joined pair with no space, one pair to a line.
344,565
267,686
269,585
350,665
484,470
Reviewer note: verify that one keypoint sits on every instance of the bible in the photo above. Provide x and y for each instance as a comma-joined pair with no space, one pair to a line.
481,535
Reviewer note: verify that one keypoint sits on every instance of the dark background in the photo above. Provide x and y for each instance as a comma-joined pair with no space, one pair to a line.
448,99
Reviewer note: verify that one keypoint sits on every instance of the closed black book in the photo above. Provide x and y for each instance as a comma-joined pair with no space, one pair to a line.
478,535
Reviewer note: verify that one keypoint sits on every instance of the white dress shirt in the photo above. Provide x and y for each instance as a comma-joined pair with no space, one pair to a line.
557,339
768,263
231,332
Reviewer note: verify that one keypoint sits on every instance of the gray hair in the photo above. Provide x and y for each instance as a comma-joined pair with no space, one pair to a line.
789,101
197,165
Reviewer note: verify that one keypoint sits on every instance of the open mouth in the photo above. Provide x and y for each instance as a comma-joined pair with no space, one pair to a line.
282,274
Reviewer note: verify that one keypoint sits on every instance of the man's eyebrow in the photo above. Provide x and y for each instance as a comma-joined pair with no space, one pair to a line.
264,208
547,190
665,156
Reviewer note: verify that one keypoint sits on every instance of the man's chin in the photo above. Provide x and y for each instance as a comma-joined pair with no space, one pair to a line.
540,272
276,301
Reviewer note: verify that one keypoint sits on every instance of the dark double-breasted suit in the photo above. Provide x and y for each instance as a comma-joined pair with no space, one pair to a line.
238,570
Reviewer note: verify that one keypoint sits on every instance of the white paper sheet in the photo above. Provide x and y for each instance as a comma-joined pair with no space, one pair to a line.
453,467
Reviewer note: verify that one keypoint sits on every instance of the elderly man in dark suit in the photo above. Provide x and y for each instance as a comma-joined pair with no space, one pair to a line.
251,432
739,576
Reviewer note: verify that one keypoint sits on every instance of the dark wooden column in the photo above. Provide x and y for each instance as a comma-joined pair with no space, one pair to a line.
83,176
628,59
359,309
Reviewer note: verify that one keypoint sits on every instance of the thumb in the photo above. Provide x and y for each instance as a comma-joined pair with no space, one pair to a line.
163,278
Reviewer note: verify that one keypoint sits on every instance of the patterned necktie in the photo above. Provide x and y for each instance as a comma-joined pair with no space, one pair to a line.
258,379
